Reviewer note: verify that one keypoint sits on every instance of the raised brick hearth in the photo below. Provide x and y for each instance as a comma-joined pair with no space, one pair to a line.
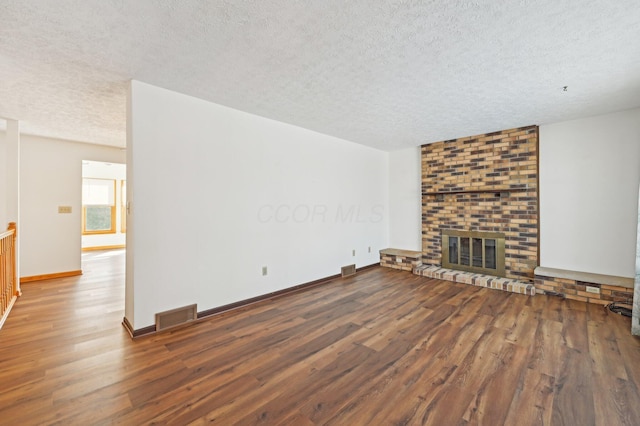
406,260
604,289
486,183
479,280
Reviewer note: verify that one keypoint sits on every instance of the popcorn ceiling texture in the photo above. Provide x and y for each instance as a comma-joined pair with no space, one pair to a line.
385,74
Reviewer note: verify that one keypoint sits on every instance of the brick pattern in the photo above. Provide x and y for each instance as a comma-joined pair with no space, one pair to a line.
403,263
484,183
480,280
576,290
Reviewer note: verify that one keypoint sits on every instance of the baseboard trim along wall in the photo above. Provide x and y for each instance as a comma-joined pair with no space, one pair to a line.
50,276
208,313
127,325
118,246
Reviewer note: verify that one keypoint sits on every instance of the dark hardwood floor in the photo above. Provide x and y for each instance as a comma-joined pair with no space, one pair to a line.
383,347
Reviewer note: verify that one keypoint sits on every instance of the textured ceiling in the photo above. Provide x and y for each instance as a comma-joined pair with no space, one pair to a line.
388,74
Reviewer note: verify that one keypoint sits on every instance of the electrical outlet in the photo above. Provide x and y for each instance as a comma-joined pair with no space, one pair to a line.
64,209
353,252
264,270
591,289
369,249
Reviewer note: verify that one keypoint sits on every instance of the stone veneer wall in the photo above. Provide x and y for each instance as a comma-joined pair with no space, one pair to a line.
484,183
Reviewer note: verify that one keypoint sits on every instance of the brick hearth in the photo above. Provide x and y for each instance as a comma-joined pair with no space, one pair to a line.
405,260
479,280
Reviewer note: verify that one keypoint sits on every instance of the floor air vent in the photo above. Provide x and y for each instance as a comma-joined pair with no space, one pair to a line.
175,317
348,270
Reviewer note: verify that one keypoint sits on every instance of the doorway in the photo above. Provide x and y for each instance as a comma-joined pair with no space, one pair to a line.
104,193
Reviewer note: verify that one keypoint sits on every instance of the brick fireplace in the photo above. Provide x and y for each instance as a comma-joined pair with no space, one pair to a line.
484,184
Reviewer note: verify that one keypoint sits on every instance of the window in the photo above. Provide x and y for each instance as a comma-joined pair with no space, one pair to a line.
98,206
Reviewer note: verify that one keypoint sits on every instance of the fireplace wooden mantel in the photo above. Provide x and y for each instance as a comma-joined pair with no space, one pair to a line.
496,190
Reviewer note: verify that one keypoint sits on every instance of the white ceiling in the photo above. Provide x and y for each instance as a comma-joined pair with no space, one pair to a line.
388,74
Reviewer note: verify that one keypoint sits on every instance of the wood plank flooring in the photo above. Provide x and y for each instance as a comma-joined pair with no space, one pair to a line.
383,347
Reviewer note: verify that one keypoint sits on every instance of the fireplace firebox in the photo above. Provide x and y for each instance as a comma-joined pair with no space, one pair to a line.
481,252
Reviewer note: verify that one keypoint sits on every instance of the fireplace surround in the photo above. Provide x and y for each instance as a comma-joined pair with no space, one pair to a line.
483,184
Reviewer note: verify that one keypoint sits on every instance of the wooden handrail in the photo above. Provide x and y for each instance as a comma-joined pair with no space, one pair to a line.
9,231
9,291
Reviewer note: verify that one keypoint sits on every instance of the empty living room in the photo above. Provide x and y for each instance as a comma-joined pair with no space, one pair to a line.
319,213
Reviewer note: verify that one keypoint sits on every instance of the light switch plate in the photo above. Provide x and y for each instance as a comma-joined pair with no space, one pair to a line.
64,209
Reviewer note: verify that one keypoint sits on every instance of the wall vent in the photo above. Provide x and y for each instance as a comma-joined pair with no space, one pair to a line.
348,270
175,317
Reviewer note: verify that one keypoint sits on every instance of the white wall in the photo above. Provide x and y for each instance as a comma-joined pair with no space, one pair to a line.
51,176
117,172
3,182
9,172
589,175
11,189
405,211
217,193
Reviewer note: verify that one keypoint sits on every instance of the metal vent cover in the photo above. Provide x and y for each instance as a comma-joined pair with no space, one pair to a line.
348,270
175,317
